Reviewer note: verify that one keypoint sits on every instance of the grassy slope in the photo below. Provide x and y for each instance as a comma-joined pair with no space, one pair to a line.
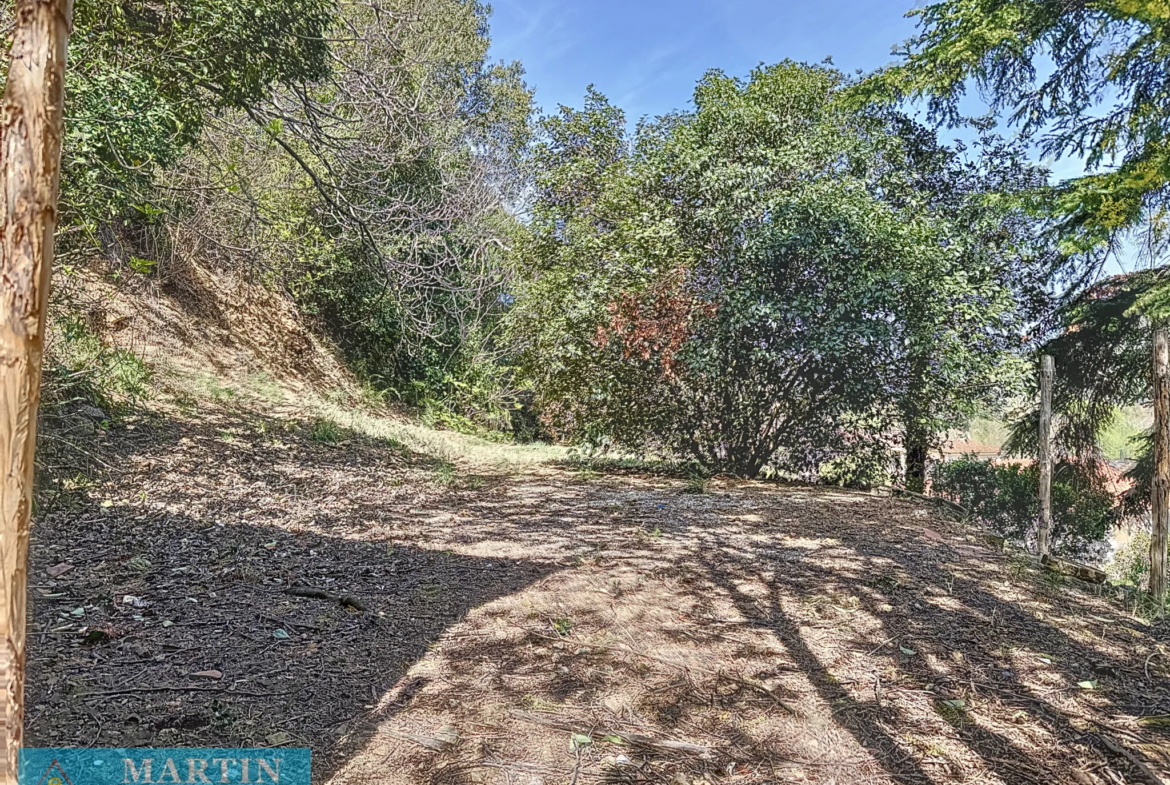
568,627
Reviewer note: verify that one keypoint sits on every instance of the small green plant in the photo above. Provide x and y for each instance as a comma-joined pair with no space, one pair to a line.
1055,580
539,703
445,474
696,483
562,627
371,397
1018,566
80,366
224,716
326,432
221,394
142,266
1130,565
953,711
186,403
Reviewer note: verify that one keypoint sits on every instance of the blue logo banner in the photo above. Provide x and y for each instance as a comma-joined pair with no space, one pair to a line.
144,766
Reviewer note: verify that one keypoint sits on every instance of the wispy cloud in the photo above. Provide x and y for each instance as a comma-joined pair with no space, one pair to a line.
536,31
640,75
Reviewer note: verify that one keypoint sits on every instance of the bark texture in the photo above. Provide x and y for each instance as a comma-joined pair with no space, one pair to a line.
916,456
1160,487
30,156
1044,536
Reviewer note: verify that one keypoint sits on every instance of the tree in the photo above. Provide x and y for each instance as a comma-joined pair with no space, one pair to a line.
148,76
1102,340
700,290
412,143
30,144
971,293
1086,78
773,277
376,194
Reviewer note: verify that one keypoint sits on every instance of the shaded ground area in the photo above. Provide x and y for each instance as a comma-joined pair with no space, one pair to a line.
551,627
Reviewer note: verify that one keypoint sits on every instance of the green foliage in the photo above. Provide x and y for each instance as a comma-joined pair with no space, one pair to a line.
445,474
458,383
696,484
327,432
1004,498
1130,565
710,286
346,296
1122,438
142,266
1088,78
81,367
143,78
1101,342
387,186
865,467
356,155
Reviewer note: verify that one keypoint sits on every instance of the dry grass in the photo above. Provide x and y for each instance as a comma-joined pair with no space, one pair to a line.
533,626
524,624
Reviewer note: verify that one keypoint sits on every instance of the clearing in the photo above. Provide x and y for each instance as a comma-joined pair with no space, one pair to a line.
568,627
481,613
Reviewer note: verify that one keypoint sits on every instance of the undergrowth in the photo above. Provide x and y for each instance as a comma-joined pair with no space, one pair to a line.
82,368
690,471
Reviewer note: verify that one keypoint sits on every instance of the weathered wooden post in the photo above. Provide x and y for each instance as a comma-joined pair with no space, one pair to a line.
1160,485
30,159
1047,372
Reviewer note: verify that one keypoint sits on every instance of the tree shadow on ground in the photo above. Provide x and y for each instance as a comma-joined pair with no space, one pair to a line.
765,624
944,638
847,585
160,604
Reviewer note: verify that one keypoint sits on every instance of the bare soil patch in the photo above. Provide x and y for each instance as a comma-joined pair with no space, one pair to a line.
545,627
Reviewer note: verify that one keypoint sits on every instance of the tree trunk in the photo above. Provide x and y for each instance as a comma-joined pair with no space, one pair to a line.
1160,486
30,157
917,450
916,410
1047,373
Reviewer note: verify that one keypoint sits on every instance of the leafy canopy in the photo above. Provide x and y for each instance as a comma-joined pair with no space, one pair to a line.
1087,78
714,285
144,77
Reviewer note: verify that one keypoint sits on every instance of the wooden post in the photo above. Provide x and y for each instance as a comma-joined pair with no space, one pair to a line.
1047,372
1160,485
30,160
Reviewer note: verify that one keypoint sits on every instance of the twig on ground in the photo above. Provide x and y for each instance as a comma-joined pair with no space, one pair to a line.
1137,763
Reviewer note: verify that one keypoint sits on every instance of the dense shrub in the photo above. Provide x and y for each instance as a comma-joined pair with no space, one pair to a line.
81,368
866,464
1130,565
1004,498
738,284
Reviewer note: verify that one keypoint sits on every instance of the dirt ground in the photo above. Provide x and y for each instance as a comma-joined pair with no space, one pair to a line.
548,626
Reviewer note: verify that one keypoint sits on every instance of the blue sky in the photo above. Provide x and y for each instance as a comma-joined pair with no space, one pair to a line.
646,55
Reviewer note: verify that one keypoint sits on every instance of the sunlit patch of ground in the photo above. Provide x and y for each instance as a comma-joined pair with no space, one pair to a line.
524,625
